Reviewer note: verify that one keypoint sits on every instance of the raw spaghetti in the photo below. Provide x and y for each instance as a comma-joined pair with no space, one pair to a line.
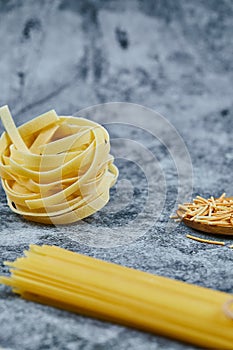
60,278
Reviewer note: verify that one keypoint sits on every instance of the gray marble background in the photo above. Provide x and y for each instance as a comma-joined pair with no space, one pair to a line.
172,56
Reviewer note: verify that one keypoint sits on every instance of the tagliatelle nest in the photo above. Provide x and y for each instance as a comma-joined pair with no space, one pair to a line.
55,170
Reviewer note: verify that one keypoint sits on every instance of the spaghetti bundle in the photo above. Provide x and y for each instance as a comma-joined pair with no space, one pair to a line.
55,170
60,278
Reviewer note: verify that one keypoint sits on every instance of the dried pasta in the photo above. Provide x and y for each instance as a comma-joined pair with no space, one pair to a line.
55,169
202,240
216,212
60,278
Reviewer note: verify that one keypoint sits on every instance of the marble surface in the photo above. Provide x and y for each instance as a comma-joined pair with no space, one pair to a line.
172,57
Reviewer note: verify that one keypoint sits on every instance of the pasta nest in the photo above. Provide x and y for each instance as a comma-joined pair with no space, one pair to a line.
63,171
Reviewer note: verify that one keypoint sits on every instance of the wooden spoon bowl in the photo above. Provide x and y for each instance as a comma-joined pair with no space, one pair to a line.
214,229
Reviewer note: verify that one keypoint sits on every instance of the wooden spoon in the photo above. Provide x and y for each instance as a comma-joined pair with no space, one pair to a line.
214,229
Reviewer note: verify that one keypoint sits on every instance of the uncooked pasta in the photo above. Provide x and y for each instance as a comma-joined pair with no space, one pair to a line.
54,169
78,283
212,211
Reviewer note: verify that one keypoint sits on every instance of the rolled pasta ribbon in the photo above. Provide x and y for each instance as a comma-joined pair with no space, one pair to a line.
55,170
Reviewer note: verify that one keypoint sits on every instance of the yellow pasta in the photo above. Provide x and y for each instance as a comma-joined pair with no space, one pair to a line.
198,239
217,212
92,287
55,170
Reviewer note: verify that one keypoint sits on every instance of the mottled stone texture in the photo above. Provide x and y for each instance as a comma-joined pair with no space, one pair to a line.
172,56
